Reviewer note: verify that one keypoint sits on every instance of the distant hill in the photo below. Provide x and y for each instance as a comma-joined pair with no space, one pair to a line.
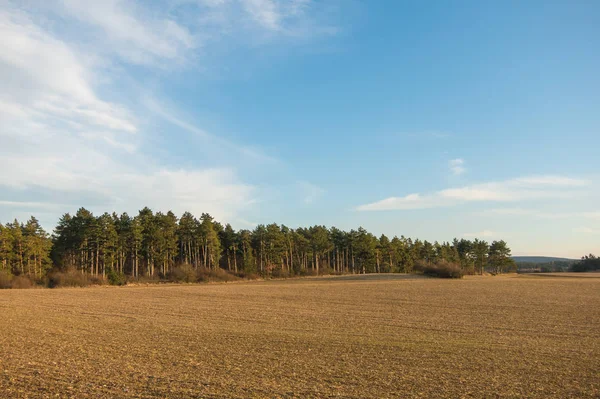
541,259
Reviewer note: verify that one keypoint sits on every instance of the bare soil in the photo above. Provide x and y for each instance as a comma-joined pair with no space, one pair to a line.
369,337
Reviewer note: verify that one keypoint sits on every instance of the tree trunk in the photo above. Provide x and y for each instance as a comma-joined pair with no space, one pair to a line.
235,259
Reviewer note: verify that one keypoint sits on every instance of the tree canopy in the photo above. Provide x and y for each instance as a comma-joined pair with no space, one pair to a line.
153,243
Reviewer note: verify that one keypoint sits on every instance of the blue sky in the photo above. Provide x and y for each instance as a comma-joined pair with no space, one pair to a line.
425,119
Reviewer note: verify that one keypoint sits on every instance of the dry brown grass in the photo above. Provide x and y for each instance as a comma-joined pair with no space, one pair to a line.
495,337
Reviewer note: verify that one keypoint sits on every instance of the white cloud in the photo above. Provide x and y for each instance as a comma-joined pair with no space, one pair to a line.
265,12
44,82
514,190
66,136
213,141
591,215
215,190
47,101
59,137
457,166
484,233
136,34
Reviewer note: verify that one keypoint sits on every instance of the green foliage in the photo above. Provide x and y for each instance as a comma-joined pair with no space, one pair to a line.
87,249
588,263
24,248
479,254
115,278
499,258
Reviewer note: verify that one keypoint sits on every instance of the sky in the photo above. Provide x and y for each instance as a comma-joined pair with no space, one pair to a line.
426,119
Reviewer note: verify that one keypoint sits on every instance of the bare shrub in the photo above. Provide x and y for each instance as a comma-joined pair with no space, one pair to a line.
308,272
182,274
217,274
72,278
280,273
5,280
21,282
441,268
326,271
249,276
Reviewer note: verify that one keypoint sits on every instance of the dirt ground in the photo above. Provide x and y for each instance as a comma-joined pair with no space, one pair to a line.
378,337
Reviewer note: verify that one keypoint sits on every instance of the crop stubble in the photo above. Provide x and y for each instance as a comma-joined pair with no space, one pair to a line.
507,337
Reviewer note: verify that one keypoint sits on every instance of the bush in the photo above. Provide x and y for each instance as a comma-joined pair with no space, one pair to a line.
182,274
248,276
308,272
280,273
5,280
217,274
72,278
441,269
115,278
21,282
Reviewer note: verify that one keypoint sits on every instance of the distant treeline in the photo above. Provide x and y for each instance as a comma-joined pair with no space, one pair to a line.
544,267
159,245
588,263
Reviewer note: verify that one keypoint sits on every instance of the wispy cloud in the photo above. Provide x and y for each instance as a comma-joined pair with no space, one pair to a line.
592,215
291,18
48,100
168,115
519,189
66,134
46,82
135,33
54,124
457,166
265,12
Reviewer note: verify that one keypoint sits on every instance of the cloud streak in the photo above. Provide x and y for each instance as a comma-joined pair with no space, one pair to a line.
213,141
135,33
514,190
457,166
66,135
592,215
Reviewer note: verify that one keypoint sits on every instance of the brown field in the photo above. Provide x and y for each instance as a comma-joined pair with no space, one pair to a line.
378,337
565,274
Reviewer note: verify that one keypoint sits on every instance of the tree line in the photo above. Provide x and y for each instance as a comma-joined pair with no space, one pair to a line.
154,243
588,263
